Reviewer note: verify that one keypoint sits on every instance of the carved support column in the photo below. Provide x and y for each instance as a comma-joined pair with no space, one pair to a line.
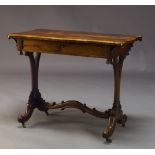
117,67
116,115
35,99
34,63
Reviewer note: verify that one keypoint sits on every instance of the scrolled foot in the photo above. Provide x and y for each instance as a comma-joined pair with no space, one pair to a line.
28,113
20,120
116,116
109,129
123,120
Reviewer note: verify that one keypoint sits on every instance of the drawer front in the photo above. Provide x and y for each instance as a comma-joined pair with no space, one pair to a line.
75,49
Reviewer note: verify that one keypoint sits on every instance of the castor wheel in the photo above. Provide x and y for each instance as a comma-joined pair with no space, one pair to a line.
23,125
108,141
20,121
123,125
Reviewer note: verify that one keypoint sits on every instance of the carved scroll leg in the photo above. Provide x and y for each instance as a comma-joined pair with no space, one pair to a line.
28,113
109,129
35,99
116,115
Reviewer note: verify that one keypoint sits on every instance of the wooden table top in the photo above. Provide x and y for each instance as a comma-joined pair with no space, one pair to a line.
82,37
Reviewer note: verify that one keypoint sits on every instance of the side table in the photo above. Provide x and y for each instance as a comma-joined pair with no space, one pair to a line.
112,47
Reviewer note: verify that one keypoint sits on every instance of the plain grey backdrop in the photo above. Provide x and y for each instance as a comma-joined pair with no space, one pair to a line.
88,80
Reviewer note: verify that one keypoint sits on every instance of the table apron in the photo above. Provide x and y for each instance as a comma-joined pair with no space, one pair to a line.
75,49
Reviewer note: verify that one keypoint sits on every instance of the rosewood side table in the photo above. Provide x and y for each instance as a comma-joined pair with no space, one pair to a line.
113,48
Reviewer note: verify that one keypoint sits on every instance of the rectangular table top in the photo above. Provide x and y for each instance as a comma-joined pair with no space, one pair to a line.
81,37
